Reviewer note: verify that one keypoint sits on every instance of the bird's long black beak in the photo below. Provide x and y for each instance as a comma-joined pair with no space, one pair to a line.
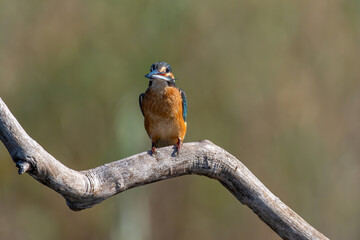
159,75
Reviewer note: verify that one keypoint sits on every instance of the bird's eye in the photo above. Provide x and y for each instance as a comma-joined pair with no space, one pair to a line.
167,70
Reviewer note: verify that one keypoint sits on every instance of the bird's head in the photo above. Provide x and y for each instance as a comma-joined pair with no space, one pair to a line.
161,71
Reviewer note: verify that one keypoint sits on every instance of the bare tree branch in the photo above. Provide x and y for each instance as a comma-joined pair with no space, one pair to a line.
84,189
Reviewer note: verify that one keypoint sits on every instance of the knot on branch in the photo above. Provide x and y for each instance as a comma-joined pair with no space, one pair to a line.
23,166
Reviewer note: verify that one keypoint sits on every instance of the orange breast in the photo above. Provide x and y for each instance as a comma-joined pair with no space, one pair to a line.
162,108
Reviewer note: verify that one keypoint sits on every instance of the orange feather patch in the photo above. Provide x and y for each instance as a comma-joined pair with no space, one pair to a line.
163,113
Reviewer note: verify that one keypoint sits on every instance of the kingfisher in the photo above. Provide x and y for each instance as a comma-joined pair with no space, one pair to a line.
164,107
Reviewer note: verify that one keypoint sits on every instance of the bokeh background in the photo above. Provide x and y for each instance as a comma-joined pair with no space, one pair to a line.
276,83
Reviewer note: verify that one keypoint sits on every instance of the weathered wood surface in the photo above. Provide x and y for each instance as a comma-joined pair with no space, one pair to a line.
84,189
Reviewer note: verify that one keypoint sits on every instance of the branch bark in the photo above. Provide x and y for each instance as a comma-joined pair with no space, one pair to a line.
84,189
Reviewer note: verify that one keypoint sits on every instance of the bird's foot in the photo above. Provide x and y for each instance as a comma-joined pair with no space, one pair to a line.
178,144
153,149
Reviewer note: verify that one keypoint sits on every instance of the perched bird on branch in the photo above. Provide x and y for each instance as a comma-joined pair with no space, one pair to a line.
164,107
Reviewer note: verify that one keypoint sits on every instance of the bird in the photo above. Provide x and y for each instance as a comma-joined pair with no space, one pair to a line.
164,107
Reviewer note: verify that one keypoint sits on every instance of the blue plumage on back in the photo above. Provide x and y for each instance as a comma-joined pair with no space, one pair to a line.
184,104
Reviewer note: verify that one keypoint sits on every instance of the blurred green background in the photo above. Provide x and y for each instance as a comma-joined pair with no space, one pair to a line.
275,83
